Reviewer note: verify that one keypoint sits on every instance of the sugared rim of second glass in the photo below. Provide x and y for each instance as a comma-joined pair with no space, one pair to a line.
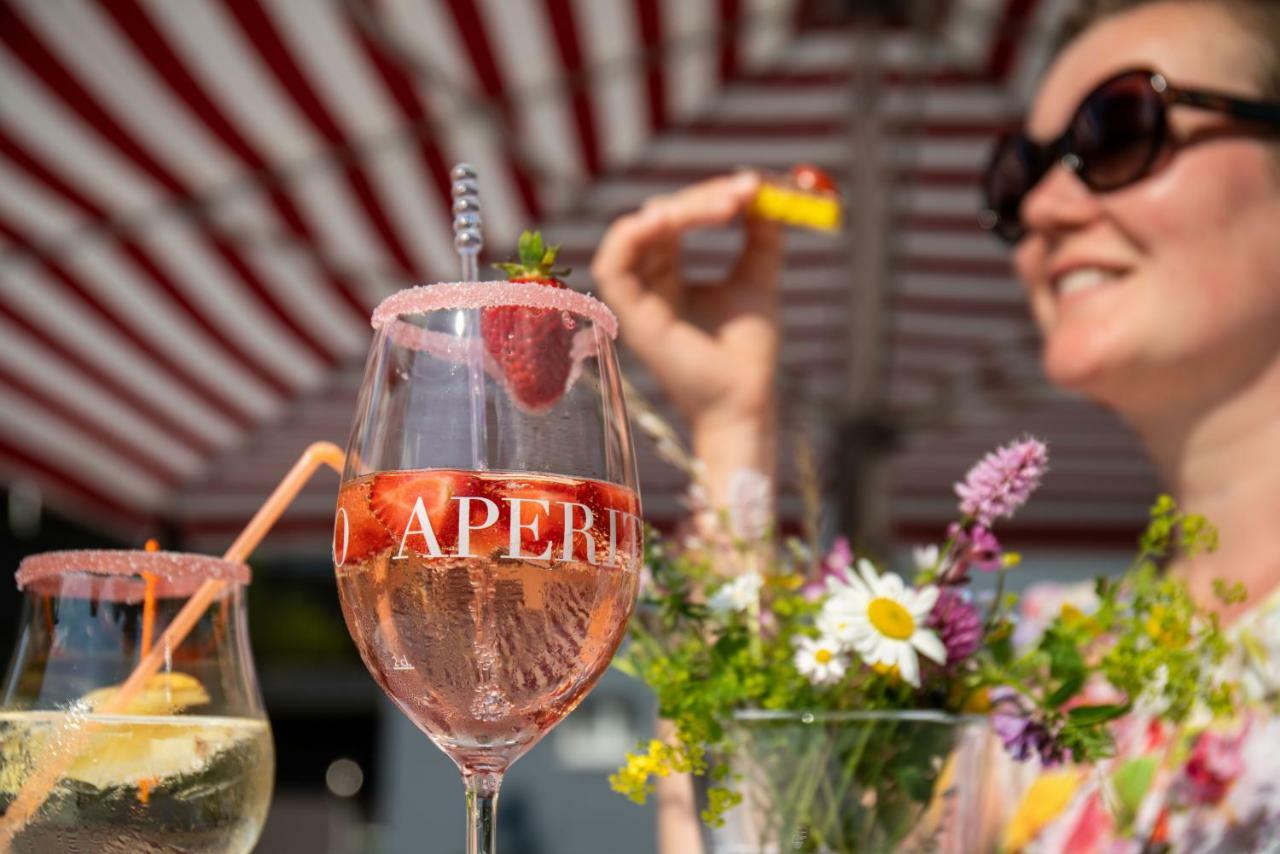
481,295
174,574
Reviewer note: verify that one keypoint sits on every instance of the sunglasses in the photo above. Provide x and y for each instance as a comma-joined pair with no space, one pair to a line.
1115,138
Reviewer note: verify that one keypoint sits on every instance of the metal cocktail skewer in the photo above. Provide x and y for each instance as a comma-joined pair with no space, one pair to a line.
467,242
467,238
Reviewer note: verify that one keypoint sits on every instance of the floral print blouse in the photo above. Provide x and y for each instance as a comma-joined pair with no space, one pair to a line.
1207,786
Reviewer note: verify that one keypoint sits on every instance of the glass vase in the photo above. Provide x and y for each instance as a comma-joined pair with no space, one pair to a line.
856,782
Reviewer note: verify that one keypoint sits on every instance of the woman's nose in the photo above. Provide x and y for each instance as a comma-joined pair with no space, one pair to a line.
1060,202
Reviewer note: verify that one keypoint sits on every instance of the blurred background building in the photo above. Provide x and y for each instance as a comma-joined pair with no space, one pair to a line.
201,201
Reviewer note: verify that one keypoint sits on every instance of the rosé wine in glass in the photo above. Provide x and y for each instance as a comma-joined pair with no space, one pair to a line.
487,534
487,604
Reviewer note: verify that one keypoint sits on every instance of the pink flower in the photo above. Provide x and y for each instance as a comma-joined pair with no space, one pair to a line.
1002,481
837,567
750,504
958,625
1215,763
975,546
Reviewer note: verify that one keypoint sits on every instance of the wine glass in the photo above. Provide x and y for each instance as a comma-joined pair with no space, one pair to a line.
487,535
184,762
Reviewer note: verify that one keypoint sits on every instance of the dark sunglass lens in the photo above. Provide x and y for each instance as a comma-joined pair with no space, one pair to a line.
1006,182
1118,132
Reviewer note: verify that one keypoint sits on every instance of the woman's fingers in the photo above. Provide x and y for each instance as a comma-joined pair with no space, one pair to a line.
618,266
760,262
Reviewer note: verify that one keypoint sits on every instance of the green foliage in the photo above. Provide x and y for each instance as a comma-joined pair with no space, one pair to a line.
1130,783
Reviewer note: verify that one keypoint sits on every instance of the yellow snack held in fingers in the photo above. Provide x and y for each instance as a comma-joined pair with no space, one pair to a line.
805,198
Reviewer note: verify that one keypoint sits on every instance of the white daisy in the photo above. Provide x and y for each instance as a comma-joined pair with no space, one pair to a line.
821,660
737,595
883,620
925,557
836,622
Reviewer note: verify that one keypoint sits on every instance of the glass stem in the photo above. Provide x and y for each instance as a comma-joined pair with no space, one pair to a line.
482,811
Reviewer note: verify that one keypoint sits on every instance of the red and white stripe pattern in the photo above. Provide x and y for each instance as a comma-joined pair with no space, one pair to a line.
200,203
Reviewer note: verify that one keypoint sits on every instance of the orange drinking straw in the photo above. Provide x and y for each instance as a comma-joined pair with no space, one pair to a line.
71,742
149,602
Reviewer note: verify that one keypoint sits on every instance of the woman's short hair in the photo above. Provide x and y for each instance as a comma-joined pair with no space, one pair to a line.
1259,18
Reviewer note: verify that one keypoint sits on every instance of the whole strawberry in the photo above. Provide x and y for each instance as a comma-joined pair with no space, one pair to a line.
531,345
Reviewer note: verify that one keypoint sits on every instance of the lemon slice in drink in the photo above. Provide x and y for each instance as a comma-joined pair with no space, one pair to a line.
163,694
145,741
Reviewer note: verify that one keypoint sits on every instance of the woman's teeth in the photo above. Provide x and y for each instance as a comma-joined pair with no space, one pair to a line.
1082,280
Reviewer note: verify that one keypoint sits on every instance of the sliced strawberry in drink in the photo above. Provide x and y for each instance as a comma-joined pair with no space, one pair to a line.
541,510
394,497
532,346
621,529
485,540
357,533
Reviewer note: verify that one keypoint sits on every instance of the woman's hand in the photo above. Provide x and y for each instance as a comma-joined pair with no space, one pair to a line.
712,346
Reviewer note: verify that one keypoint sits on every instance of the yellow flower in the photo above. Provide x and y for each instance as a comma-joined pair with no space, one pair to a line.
1045,800
658,760
978,703
1164,629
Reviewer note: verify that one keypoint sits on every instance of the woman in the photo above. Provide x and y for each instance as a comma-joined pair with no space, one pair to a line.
1153,272
1150,253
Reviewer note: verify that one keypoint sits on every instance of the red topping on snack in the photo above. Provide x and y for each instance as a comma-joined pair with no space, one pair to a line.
809,177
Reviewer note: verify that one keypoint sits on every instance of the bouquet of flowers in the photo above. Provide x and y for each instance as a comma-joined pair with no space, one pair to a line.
735,622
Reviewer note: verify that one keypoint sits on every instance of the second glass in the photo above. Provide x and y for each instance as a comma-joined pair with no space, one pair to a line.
181,762
487,536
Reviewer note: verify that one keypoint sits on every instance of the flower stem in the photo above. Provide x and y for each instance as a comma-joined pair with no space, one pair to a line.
990,622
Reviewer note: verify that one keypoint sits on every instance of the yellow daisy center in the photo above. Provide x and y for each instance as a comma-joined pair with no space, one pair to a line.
823,656
890,618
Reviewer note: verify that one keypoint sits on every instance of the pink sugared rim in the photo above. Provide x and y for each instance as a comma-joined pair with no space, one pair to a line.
474,295
176,573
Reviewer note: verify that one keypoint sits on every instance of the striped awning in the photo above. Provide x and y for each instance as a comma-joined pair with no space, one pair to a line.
200,202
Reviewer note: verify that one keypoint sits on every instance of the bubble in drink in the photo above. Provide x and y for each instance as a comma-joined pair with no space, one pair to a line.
142,782
486,604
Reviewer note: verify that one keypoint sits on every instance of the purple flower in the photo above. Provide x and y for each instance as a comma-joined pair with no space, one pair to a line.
1002,481
958,625
1022,735
836,566
974,546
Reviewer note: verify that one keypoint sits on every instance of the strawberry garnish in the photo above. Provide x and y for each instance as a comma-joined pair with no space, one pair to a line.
394,495
355,525
531,345
808,177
